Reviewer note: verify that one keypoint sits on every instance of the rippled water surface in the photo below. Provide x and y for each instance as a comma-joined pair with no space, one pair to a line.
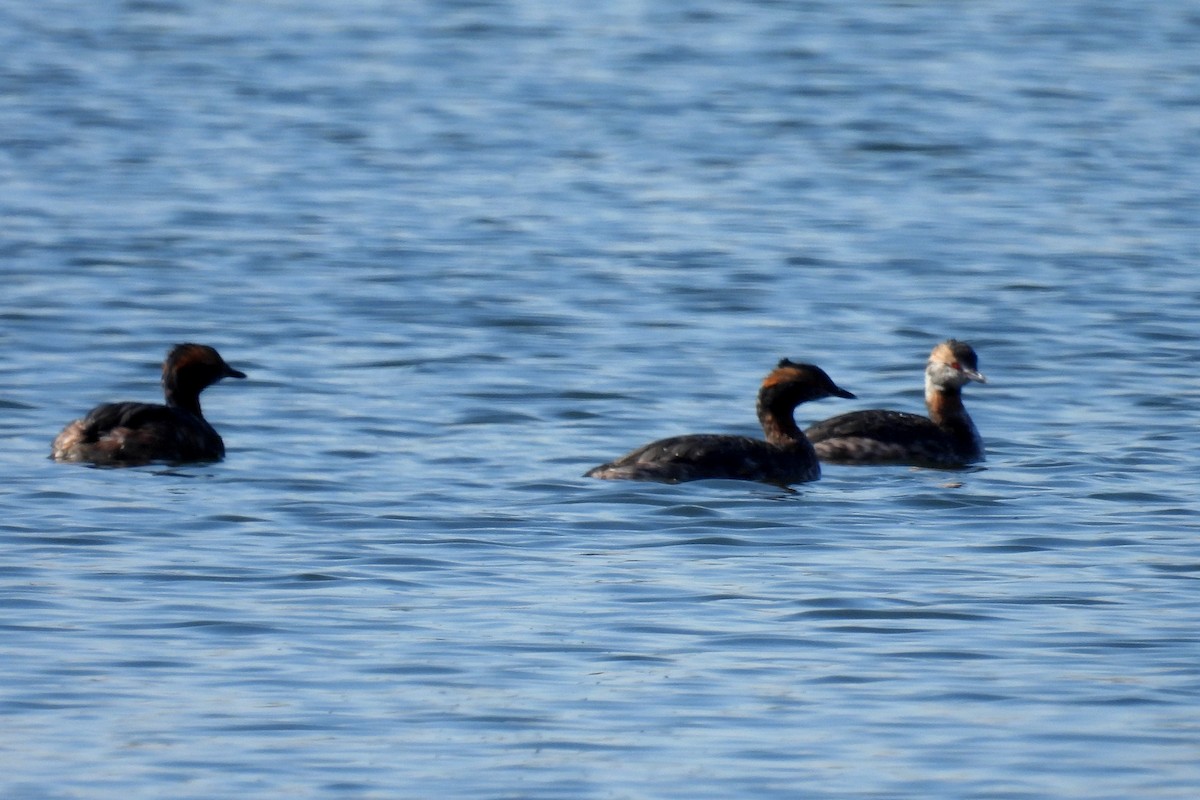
465,251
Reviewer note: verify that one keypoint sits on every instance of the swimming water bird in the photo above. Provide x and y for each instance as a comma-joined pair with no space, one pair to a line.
946,438
123,434
785,457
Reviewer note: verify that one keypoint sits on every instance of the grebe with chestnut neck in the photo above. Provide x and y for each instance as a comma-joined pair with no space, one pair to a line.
785,457
124,434
946,438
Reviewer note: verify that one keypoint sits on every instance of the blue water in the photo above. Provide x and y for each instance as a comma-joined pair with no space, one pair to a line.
467,250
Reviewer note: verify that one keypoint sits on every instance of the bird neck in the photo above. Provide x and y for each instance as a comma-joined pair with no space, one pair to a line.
182,398
948,413
944,403
779,424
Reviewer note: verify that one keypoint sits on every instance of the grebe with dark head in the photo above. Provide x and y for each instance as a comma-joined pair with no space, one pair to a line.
785,457
946,438
138,433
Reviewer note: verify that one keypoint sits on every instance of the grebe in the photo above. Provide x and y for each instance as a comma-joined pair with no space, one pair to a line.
137,433
945,438
785,457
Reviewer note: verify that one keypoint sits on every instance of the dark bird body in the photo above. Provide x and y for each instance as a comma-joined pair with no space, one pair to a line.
784,457
122,434
946,438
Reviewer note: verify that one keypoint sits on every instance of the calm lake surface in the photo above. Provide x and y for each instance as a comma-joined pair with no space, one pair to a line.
467,250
